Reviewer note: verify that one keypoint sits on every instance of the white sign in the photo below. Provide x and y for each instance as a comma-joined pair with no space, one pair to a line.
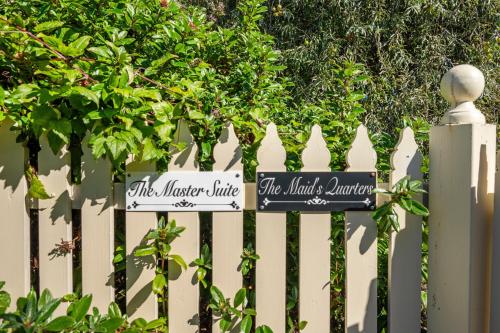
184,191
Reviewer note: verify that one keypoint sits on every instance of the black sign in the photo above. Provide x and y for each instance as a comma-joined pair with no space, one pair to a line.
315,191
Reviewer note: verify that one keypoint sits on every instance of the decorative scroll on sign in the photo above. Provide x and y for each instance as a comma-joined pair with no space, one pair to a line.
184,191
315,191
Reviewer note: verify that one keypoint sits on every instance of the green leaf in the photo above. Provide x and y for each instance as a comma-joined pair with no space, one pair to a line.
114,310
81,307
250,311
216,294
154,324
87,93
240,296
49,25
98,147
139,322
4,301
147,93
111,324
418,209
405,203
195,115
159,283
81,43
302,325
145,251
178,259
393,219
201,273
381,211
37,190
45,297
31,305
60,323
48,310
116,147
246,324
263,329
150,152
2,96
224,324
101,51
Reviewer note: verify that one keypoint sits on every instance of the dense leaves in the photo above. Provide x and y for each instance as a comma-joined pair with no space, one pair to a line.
33,314
405,45
128,70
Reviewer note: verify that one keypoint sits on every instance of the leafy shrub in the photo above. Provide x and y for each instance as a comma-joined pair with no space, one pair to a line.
128,70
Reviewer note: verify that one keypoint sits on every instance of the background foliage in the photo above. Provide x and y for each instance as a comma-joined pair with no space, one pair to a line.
406,47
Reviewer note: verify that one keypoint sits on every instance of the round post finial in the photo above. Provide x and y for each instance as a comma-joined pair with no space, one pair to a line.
461,86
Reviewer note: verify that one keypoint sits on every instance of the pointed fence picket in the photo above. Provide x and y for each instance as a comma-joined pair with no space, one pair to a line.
227,227
97,227
314,254
405,246
271,243
141,302
361,247
55,222
183,287
14,220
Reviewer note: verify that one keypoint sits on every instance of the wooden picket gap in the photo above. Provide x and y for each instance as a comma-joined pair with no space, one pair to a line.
183,289
361,247
140,271
97,226
271,243
227,227
314,243
405,245
14,226
55,221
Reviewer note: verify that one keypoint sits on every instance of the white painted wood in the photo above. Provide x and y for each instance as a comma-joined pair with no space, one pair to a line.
361,248
14,220
184,191
271,243
495,287
54,221
97,224
461,86
314,253
141,302
405,245
462,171
184,292
227,227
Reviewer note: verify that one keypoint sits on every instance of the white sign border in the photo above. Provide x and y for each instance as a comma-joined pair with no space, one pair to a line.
184,204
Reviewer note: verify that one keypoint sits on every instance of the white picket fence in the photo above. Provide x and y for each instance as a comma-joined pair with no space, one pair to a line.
464,230
97,198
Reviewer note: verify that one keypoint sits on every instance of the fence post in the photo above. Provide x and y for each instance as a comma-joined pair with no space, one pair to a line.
462,170
495,279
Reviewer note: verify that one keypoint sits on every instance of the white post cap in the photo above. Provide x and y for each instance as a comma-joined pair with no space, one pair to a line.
461,86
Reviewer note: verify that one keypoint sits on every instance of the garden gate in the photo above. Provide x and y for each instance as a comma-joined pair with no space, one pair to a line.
97,197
